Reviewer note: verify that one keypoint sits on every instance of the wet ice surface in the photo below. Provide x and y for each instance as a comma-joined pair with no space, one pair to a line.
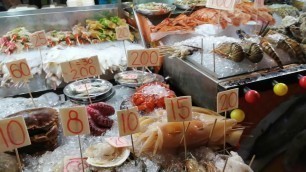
225,67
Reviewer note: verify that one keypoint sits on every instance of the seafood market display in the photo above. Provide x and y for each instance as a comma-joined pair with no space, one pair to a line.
187,4
153,8
150,96
134,78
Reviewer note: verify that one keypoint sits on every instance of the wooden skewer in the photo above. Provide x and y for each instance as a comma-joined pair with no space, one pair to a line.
211,132
251,162
225,165
185,132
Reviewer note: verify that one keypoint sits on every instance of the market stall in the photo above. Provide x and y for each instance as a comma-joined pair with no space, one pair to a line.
150,86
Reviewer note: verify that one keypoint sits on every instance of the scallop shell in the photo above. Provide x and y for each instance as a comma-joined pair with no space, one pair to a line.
230,50
121,156
253,52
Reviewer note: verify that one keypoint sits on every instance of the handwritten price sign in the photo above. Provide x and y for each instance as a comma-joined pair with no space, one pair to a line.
38,39
227,100
118,142
13,134
179,109
128,121
81,68
221,4
143,58
74,164
74,121
259,3
122,33
19,70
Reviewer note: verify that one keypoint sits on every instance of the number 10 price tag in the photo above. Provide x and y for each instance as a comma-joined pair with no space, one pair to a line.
13,134
227,100
179,109
19,70
128,121
74,121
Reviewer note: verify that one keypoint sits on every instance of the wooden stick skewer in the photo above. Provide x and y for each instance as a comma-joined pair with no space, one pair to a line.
27,84
211,132
225,165
251,162
18,160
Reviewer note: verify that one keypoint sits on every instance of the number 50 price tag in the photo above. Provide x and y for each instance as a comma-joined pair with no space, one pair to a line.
19,70
13,134
227,100
179,109
128,121
74,121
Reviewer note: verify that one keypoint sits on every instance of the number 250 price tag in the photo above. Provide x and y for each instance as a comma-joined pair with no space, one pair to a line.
122,33
74,121
221,4
13,134
179,109
128,121
39,39
227,100
142,58
19,70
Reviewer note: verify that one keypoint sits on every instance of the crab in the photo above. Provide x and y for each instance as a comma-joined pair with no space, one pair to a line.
42,125
151,96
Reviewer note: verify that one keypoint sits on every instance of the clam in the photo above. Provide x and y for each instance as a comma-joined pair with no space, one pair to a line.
105,155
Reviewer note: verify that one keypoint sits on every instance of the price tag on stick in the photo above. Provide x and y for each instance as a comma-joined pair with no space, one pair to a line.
19,70
13,134
118,142
128,121
38,39
122,33
74,121
75,164
81,68
179,109
259,4
143,58
227,100
221,4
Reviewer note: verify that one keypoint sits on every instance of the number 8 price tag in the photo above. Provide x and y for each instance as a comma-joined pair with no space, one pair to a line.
227,100
179,109
74,121
128,121
13,134
19,70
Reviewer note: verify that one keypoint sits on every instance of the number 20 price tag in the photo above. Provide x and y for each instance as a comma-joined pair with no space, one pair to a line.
227,100
179,109
128,121
13,134
221,4
38,39
122,33
74,121
143,58
19,70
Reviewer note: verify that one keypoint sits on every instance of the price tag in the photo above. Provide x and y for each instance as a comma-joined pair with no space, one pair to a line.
118,142
74,164
74,121
221,4
143,58
227,100
179,109
259,3
13,134
81,68
38,39
122,33
19,70
128,121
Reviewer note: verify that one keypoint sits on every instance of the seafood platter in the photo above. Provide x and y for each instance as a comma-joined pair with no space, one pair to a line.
204,51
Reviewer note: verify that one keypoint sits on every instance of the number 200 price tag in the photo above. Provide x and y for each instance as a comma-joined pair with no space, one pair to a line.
221,4
13,134
74,121
128,121
179,109
19,70
142,58
227,100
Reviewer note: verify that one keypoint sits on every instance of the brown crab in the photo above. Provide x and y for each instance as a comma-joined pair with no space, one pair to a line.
42,125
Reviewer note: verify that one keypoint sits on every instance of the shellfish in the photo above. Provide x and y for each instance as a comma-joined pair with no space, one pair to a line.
230,50
252,51
268,49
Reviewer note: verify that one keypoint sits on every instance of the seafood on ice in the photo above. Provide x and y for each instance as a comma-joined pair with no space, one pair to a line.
105,155
230,50
156,134
234,163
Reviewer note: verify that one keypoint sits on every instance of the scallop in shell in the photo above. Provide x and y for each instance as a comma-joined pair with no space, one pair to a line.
230,50
253,52
105,155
